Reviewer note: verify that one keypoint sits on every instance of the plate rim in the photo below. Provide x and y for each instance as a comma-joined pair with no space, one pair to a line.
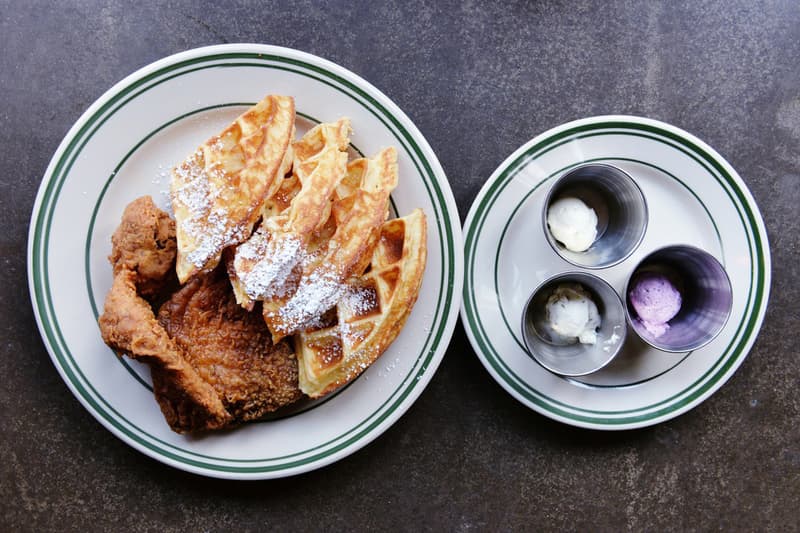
452,245
757,227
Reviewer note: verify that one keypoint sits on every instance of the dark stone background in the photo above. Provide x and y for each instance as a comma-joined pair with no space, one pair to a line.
479,79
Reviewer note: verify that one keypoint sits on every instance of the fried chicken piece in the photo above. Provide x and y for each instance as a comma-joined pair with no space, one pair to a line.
221,367
230,348
145,244
129,325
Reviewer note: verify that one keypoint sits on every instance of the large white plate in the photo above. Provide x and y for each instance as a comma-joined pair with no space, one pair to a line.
123,147
694,197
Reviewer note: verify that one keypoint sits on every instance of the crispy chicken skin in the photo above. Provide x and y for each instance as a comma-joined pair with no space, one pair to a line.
145,244
128,325
230,348
213,364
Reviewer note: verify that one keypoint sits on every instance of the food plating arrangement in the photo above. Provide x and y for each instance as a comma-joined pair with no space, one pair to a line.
286,272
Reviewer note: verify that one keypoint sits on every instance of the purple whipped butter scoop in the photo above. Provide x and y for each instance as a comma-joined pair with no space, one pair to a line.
656,301
678,298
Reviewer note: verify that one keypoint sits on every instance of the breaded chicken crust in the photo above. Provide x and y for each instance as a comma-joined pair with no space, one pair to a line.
213,364
144,243
230,348
129,326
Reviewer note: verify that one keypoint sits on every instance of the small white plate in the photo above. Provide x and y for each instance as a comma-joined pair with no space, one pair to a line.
123,147
694,197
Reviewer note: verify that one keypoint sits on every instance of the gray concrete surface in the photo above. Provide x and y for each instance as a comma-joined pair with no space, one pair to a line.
479,79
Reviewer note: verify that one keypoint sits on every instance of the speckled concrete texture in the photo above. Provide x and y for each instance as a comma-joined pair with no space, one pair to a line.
479,79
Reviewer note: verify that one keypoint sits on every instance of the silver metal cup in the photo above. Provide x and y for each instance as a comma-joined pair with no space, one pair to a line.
574,359
621,213
706,295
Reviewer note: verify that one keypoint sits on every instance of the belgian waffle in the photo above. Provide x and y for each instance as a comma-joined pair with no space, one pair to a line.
218,191
358,217
370,315
262,265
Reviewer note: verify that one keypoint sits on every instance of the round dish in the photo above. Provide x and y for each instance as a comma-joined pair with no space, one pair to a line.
695,197
123,147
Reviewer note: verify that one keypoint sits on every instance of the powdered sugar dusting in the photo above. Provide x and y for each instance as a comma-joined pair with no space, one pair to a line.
359,300
317,292
164,176
207,225
265,261
217,145
351,337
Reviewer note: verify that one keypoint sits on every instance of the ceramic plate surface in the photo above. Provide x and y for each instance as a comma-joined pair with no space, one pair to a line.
694,197
123,147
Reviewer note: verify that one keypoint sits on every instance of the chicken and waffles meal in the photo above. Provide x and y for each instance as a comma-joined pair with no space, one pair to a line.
281,277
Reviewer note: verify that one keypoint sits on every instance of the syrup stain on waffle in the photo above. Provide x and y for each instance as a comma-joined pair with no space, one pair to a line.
280,278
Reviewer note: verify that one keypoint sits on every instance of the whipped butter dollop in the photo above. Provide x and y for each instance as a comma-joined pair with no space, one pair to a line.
571,315
572,223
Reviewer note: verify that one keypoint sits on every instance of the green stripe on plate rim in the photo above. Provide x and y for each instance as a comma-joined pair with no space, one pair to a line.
533,190
441,244
521,382
755,299
470,238
44,304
